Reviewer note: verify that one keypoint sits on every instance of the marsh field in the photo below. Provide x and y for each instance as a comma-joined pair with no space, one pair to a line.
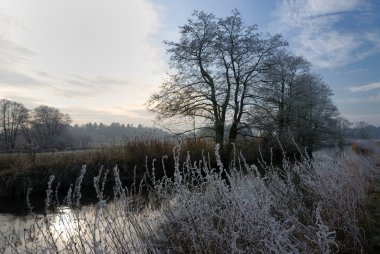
182,203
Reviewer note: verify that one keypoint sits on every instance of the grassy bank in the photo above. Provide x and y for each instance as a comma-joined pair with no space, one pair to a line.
21,171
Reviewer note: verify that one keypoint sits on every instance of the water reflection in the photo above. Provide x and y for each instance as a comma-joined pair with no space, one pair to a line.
63,223
61,230
115,227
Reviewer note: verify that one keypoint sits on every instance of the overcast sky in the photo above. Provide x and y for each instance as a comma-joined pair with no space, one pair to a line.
100,60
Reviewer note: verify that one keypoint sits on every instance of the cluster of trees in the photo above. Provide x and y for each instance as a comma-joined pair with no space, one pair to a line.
46,127
293,102
230,78
42,126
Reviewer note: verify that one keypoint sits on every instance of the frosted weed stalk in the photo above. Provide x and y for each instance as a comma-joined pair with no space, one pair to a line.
304,207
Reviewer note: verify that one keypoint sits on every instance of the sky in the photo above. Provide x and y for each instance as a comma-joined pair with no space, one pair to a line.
100,60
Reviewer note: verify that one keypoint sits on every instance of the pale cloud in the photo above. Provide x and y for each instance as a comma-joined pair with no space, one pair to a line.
12,53
84,115
363,99
13,77
311,26
299,13
21,94
95,55
330,49
372,99
325,7
15,66
365,88
90,37
78,86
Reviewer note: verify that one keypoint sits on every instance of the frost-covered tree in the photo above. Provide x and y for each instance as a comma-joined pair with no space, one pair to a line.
217,66
276,92
294,103
313,111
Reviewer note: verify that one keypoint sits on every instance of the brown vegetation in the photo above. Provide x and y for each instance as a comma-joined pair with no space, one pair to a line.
20,171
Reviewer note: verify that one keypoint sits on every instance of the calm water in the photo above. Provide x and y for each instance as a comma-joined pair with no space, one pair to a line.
90,225
18,229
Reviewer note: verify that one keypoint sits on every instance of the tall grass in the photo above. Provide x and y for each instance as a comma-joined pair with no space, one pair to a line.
310,206
21,171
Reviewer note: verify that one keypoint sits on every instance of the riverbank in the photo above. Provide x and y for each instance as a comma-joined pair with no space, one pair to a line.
21,171
310,207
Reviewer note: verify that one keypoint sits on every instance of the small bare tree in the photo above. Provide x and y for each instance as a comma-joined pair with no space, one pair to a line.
363,129
12,116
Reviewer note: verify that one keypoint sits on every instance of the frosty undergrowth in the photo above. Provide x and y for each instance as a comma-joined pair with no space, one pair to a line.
311,206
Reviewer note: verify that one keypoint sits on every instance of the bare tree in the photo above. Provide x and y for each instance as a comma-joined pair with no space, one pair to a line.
363,128
48,123
342,127
217,65
12,117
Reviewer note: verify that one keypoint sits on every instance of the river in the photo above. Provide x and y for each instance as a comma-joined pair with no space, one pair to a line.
118,226
37,231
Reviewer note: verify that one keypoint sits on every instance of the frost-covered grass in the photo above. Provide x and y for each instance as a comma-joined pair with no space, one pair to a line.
311,206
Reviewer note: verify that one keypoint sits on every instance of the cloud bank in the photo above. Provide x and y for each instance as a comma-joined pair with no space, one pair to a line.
316,30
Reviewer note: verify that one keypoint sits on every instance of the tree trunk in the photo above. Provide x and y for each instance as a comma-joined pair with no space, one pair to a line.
219,138
219,135
231,142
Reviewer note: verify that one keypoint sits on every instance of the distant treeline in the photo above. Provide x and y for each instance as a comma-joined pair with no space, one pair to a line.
116,133
73,137
46,128
363,130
